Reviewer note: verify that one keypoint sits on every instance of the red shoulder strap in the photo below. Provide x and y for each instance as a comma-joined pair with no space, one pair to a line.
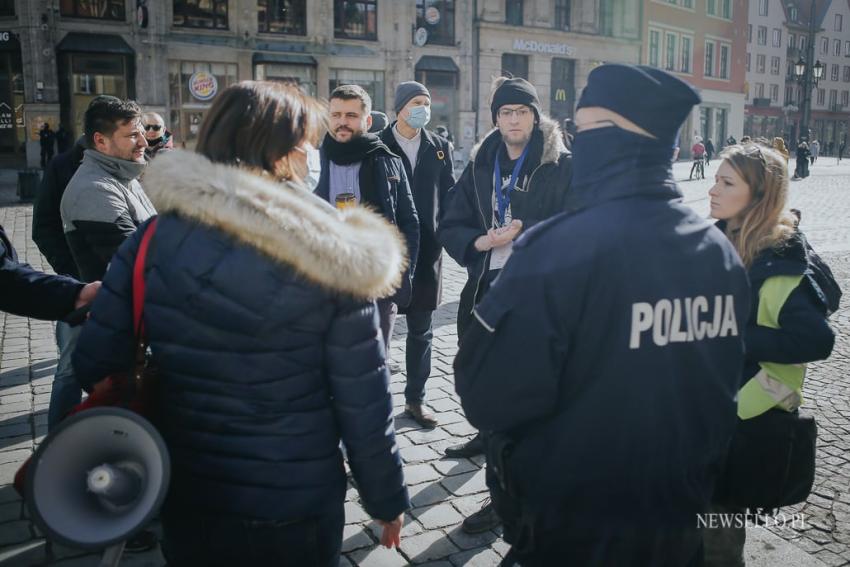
139,278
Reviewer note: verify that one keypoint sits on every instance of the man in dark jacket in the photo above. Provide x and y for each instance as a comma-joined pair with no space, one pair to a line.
49,236
357,167
47,141
607,357
30,293
63,139
104,203
428,164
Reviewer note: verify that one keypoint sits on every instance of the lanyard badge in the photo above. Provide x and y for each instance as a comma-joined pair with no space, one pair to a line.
503,197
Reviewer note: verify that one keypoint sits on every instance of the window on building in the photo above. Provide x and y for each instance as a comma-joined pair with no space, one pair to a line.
821,96
792,13
847,74
759,90
96,9
7,7
356,19
749,33
438,17
654,39
824,45
711,7
789,95
775,62
760,61
513,12
845,98
839,22
686,55
371,81
777,37
709,59
802,43
789,69
282,16
188,106
835,72
670,51
301,76
514,65
619,19
763,7
833,97
792,40
847,49
727,9
836,47
774,93
561,20
762,37
724,61
210,14
688,3
748,62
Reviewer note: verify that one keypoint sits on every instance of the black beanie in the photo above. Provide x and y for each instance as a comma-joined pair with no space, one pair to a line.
515,91
653,99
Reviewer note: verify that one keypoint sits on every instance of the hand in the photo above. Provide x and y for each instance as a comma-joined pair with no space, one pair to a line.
503,235
87,294
391,536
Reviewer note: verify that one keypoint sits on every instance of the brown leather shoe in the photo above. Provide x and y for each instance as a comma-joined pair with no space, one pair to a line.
418,414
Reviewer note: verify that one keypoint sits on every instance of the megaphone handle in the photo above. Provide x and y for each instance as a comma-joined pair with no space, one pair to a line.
112,555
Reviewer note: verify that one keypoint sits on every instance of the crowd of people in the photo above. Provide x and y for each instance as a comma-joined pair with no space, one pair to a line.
612,344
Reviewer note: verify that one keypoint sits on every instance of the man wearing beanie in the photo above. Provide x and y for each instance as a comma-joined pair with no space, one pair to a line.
428,164
357,167
518,176
607,356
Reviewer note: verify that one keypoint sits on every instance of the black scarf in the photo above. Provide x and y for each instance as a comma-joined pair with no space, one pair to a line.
353,151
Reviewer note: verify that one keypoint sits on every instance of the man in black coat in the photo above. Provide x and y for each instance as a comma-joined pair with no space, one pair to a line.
30,293
526,153
357,167
428,164
47,141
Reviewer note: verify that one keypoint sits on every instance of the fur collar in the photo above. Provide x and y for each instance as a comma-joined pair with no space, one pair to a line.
553,141
356,253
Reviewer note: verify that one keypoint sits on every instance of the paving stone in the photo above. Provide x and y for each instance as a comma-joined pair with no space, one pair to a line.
354,537
471,541
418,454
426,494
417,474
481,557
450,467
378,557
439,516
427,546
355,514
466,483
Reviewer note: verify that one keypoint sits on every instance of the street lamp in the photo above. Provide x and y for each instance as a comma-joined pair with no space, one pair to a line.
808,73
817,71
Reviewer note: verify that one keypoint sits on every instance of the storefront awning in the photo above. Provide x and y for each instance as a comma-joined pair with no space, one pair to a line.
436,63
94,43
291,58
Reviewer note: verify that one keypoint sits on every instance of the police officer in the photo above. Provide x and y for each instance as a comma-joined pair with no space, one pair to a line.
428,164
606,357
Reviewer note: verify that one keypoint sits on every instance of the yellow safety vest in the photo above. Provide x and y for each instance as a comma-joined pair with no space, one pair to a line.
775,385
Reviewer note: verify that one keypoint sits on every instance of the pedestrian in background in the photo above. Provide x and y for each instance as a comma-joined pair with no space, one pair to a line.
157,135
815,149
428,163
261,323
801,171
787,325
841,149
47,141
709,151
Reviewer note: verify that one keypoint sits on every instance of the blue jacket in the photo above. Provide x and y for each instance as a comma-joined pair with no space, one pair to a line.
261,323
621,405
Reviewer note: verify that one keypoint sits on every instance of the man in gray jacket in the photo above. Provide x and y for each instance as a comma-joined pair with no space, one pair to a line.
104,203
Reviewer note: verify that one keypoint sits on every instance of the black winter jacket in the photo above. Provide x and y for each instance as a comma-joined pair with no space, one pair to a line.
268,348
29,293
47,231
430,185
382,175
470,211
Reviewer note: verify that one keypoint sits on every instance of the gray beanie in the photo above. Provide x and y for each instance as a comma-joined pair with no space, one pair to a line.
379,122
406,91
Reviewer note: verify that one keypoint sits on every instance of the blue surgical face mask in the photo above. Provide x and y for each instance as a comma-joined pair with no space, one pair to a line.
314,168
418,116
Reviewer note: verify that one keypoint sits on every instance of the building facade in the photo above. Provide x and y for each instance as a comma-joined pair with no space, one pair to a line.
768,60
704,43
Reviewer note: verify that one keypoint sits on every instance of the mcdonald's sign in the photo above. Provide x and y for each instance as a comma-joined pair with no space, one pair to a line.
561,95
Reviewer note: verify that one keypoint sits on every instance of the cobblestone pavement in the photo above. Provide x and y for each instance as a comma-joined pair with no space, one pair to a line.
445,491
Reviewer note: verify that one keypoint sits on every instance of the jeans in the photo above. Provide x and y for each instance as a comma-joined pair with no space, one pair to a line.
66,392
419,334
211,541
387,311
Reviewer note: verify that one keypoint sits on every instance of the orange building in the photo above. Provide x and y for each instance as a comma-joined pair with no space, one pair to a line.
704,42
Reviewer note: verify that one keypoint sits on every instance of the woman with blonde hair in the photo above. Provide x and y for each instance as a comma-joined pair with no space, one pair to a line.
260,316
779,146
790,301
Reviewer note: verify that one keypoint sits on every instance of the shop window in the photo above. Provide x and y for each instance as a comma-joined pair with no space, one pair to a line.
443,86
562,89
356,19
282,16
619,19
193,86
513,12
438,18
7,7
97,9
371,81
515,65
302,76
210,14
563,9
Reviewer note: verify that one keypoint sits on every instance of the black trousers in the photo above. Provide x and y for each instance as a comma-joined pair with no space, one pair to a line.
420,333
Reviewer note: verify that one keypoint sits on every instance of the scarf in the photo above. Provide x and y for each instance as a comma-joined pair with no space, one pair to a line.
118,168
346,153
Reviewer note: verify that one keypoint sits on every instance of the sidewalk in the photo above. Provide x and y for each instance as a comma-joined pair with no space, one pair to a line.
444,491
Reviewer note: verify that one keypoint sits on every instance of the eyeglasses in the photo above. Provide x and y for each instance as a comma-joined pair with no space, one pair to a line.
522,112
154,127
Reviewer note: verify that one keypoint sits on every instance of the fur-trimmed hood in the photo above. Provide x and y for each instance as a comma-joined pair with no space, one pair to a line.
356,252
553,141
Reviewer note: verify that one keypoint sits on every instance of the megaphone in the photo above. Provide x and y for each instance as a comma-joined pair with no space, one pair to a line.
98,479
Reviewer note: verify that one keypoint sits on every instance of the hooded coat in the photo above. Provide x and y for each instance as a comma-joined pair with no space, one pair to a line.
261,321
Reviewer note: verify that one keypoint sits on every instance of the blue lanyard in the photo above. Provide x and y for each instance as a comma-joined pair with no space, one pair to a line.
503,198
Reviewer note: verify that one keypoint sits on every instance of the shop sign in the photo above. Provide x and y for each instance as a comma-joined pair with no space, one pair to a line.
420,38
203,86
542,47
6,118
5,36
432,15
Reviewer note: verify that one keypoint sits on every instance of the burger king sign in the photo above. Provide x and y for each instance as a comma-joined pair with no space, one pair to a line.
203,86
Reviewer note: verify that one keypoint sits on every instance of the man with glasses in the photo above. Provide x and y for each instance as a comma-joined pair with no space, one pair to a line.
517,176
158,137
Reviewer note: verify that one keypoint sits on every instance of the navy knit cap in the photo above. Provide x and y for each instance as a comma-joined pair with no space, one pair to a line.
655,100
515,91
406,91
